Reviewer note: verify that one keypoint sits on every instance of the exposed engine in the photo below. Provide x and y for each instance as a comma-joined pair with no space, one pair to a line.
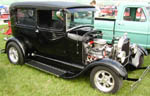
99,48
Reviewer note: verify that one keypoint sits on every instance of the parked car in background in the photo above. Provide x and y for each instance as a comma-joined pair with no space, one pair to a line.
59,38
107,11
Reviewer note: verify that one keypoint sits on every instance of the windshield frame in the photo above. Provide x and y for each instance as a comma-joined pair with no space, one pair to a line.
148,12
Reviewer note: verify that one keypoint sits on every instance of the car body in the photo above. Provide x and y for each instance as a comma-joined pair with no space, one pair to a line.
67,46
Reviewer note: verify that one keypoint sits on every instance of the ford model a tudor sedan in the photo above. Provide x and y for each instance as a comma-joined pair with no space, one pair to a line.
59,38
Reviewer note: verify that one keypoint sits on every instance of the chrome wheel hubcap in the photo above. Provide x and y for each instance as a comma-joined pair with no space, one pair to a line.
104,81
13,55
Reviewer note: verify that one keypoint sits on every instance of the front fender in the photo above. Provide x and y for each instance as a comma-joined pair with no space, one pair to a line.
112,64
109,63
137,58
142,50
18,42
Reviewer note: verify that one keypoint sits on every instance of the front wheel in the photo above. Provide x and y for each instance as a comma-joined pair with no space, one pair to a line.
105,80
14,53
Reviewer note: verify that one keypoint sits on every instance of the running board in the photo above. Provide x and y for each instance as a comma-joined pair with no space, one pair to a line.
58,61
47,68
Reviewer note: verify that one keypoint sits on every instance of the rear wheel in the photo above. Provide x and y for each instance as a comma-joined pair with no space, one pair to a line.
14,53
105,80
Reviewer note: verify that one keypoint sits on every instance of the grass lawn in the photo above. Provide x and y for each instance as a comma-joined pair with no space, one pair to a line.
16,80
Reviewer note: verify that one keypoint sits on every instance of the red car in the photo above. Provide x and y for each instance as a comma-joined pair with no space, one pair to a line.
107,11
4,15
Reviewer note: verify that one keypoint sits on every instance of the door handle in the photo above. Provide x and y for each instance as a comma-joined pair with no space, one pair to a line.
120,23
37,30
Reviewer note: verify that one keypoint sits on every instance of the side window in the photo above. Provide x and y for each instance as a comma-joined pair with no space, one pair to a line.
25,17
134,14
50,19
44,18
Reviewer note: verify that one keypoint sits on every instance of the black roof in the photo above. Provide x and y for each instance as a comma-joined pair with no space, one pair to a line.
49,4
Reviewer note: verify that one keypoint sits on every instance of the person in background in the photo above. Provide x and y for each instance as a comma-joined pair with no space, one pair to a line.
57,15
97,13
9,31
58,20
60,15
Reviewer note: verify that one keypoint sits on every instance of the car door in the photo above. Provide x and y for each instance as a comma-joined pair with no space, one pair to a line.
55,44
135,23
50,44
148,34
51,40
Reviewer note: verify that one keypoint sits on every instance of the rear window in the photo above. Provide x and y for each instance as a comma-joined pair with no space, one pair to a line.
26,17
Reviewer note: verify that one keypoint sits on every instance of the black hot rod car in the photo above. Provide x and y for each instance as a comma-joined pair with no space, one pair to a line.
59,38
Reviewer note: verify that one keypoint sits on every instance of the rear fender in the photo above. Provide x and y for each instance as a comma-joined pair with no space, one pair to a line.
112,64
19,43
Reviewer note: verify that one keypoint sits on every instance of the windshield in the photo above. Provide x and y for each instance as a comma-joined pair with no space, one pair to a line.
80,16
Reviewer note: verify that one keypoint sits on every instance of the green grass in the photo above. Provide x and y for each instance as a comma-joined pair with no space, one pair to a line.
16,80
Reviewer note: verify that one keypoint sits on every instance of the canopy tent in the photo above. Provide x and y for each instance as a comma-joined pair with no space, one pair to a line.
1,6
